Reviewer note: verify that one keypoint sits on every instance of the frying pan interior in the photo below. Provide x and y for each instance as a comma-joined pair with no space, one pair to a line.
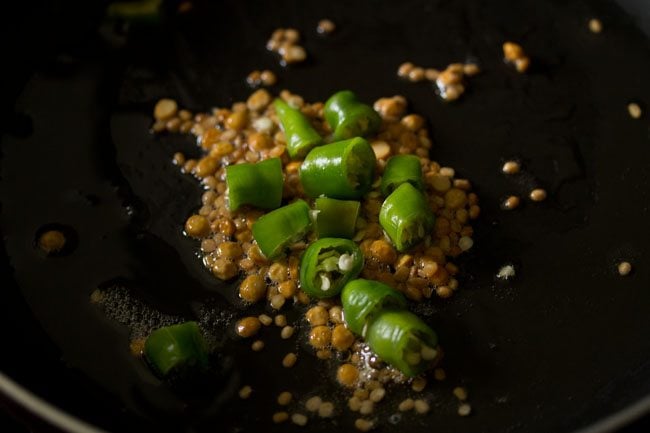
556,349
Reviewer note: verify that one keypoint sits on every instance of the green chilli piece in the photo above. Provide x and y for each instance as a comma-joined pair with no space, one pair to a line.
174,347
327,265
278,229
343,170
400,169
348,117
258,184
406,217
336,218
403,340
300,136
143,10
364,299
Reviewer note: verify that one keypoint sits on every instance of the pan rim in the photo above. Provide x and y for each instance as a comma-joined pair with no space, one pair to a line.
61,419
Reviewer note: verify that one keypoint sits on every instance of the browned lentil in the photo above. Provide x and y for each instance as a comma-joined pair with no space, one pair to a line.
51,241
595,26
165,109
320,337
284,398
325,27
252,289
538,194
511,167
624,268
509,203
289,360
280,417
248,326
514,53
347,375
635,110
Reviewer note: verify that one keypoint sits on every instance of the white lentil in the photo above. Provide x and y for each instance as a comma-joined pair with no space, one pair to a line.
257,345
326,410
313,403
299,419
280,320
265,319
464,409
286,332
421,406
367,406
376,395
465,243
364,424
406,405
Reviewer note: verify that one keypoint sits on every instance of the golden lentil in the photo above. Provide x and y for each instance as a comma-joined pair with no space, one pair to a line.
284,398
317,316
52,241
538,194
624,268
325,27
511,167
265,319
320,337
514,53
460,393
197,226
280,320
248,326
367,407
165,109
289,360
347,375
252,289
377,395
635,110
287,332
280,417
595,26
342,338
509,203
419,383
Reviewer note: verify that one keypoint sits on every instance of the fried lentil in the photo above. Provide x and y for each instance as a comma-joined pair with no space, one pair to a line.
325,27
52,241
624,268
635,110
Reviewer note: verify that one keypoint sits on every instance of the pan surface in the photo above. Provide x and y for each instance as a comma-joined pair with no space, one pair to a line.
556,349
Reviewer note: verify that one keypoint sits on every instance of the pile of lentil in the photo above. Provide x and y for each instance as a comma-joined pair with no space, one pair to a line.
249,132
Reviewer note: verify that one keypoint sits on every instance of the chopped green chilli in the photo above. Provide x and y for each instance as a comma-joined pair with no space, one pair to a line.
327,265
336,218
348,117
258,184
363,299
406,217
278,229
176,346
403,340
301,137
400,169
343,170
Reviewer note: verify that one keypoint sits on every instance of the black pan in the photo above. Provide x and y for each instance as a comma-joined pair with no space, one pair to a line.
560,348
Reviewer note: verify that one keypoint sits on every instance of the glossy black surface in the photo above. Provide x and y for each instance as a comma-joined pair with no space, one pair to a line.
559,347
